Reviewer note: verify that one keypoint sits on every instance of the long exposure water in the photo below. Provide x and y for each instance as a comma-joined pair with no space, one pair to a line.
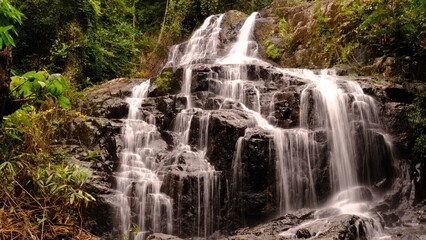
329,104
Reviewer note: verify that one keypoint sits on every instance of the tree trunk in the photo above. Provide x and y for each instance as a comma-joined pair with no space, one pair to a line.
163,23
5,64
134,18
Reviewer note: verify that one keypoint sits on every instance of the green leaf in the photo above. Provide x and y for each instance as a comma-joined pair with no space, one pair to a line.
5,39
13,136
25,121
9,39
64,102
6,28
28,74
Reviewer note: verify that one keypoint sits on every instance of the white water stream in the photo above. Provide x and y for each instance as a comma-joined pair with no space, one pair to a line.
143,208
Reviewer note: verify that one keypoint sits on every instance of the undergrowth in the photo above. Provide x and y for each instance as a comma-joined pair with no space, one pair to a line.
42,195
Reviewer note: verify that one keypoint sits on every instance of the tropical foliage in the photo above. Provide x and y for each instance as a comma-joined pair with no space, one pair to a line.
392,28
94,40
8,19
39,86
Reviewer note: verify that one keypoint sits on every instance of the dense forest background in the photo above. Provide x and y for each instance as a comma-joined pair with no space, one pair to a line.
94,40
90,41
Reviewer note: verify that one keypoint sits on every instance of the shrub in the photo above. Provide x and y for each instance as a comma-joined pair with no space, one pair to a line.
272,51
163,82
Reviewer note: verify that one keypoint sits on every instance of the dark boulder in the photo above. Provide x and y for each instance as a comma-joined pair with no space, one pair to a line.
253,179
225,127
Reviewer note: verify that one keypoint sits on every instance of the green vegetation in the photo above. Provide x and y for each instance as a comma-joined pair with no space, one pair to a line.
272,51
94,40
81,38
386,28
163,82
40,86
417,120
8,19
88,41
285,32
42,195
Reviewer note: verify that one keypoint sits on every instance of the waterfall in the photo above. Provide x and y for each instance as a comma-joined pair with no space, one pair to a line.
337,122
245,49
201,47
143,208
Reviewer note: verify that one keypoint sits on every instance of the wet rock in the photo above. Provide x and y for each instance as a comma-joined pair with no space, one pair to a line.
303,233
189,188
231,23
108,99
95,143
336,227
165,110
162,236
396,124
254,178
399,95
391,219
98,217
327,212
286,109
224,130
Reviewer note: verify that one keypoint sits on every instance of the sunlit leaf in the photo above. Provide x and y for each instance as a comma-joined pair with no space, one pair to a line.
64,102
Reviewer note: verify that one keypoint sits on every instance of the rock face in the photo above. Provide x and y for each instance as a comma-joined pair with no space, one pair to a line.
286,227
226,176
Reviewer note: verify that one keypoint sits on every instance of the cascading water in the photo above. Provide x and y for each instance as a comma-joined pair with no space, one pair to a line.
340,105
292,146
143,208
201,47
331,109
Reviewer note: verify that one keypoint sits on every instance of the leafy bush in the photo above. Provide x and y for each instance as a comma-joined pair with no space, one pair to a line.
40,192
81,38
272,51
38,86
389,28
163,82
417,120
